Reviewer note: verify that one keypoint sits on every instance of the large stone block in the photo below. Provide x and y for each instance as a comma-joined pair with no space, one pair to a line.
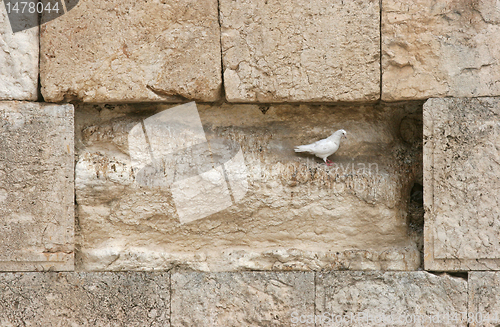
36,186
390,299
296,50
461,183
440,48
484,299
245,298
85,299
18,60
262,206
132,51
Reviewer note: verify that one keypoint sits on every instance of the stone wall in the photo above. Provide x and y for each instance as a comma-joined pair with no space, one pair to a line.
148,173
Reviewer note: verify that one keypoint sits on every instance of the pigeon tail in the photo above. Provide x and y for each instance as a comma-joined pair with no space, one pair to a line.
302,148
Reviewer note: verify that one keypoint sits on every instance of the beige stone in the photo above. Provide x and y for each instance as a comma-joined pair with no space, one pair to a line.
85,299
461,178
484,299
292,213
296,50
390,299
129,51
36,186
440,48
18,61
245,298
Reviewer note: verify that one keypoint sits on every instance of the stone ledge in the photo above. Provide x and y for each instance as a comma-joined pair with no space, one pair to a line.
187,298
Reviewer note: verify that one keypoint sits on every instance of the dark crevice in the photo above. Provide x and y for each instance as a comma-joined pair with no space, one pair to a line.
457,274
460,274
264,109
416,208
39,96
222,88
314,304
170,294
380,45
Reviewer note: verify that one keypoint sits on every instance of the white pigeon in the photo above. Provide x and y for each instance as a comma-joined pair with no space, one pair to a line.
325,147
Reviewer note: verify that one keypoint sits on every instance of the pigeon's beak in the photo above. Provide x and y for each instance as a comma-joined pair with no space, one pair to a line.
345,136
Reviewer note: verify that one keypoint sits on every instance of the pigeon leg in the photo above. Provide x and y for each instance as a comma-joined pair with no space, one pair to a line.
329,163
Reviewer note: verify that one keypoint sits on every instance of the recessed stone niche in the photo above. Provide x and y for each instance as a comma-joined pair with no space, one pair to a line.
150,198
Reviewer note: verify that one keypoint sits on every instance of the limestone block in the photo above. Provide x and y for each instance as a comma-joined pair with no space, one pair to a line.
85,299
461,182
484,299
18,61
390,299
130,51
36,186
296,50
440,48
259,205
236,299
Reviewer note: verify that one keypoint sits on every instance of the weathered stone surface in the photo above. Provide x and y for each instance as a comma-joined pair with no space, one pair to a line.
390,299
18,61
296,50
295,212
245,298
484,299
85,299
129,51
36,186
440,48
461,181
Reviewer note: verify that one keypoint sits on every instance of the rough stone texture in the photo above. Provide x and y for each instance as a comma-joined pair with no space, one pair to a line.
85,299
36,186
440,48
296,50
240,299
296,214
390,299
18,61
461,182
129,51
484,299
